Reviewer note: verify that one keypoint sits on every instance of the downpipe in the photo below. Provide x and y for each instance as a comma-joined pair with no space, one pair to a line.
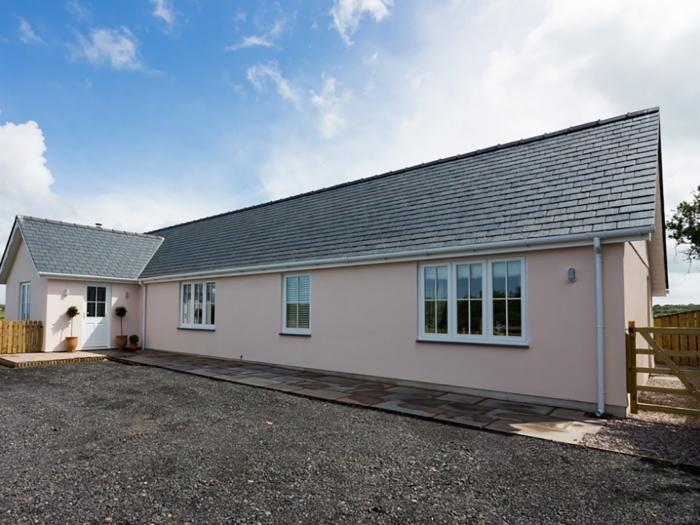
599,328
144,298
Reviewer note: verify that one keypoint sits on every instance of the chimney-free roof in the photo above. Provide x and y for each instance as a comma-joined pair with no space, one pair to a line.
599,177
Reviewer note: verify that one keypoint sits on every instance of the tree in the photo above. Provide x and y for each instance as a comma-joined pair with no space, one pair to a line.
684,227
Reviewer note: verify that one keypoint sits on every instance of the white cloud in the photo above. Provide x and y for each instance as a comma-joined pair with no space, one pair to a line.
260,75
250,41
331,114
482,74
25,179
148,209
266,39
347,14
76,9
163,11
24,176
117,48
27,34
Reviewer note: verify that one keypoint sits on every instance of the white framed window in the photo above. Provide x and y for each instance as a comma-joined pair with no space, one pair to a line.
25,301
473,301
198,305
296,304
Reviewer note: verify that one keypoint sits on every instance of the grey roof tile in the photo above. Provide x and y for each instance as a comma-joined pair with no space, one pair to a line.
598,177
73,249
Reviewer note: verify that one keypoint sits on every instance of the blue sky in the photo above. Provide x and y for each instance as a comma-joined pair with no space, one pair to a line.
143,113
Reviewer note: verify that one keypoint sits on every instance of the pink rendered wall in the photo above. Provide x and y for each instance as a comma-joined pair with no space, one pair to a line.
57,326
638,303
23,271
364,321
637,284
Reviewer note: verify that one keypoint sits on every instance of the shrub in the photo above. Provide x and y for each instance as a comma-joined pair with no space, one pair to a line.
134,339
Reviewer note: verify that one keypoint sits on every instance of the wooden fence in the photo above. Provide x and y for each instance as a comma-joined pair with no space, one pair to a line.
17,337
679,342
687,376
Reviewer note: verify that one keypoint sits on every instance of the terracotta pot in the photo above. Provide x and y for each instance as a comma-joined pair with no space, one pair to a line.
71,344
121,342
134,347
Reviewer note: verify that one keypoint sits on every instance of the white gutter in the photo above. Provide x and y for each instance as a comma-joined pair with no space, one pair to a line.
599,328
562,241
76,277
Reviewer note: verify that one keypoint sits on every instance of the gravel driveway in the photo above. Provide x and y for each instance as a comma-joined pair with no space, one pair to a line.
655,434
109,443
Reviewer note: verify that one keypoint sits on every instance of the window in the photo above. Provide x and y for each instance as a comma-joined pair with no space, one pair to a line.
25,301
482,301
469,299
96,303
198,305
435,299
297,304
506,299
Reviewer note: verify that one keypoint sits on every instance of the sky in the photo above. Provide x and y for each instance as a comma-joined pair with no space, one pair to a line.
144,113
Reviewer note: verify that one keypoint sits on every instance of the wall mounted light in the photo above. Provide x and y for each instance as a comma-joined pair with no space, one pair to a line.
65,293
571,275
126,294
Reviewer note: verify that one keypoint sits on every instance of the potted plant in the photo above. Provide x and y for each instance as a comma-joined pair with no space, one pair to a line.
72,342
134,343
120,312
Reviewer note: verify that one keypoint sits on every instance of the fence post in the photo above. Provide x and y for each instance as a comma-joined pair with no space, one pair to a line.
632,366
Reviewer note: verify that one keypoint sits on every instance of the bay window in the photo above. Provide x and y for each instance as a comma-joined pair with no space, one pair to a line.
198,305
473,301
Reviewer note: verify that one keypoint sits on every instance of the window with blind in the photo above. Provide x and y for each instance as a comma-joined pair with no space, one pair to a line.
296,313
198,305
473,301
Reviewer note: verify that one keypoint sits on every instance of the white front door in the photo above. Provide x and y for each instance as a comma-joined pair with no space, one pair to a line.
96,316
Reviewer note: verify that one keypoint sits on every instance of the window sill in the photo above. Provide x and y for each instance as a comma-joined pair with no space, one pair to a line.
504,344
198,328
296,334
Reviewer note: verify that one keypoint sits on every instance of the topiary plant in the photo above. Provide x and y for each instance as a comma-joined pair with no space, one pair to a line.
71,313
134,339
120,312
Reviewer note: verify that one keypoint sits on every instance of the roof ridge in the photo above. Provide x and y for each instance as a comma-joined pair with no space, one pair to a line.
88,227
498,147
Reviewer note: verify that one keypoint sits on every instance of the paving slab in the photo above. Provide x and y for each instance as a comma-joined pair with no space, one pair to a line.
525,408
461,398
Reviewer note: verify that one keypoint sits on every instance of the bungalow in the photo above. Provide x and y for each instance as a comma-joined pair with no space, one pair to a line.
509,271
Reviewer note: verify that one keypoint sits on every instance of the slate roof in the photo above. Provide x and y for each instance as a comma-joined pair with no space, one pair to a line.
596,177
59,247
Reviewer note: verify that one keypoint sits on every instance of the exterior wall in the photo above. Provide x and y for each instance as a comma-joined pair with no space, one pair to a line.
57,327
638,304
364,321
638,299
23,271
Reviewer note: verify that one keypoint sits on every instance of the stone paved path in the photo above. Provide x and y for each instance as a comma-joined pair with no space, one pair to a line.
545,422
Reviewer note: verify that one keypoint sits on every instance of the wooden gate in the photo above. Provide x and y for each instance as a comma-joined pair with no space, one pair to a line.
677,342
18,337
687,376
